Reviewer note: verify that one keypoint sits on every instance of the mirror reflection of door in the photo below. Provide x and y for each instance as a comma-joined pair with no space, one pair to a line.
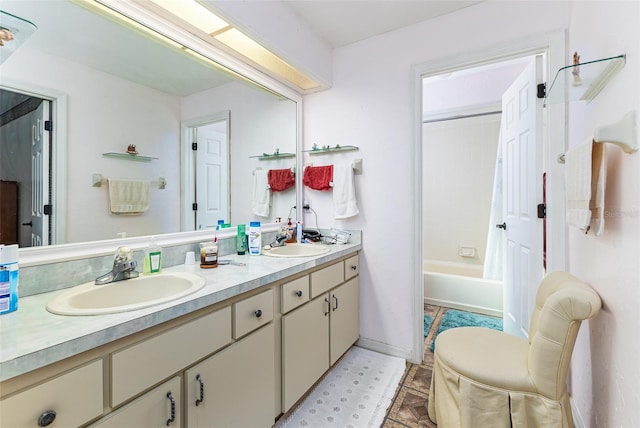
211,173
25,169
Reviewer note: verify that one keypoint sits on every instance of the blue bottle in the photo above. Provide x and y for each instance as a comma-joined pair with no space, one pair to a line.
8,278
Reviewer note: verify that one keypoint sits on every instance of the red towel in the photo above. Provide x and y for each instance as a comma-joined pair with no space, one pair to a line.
318,177
281,179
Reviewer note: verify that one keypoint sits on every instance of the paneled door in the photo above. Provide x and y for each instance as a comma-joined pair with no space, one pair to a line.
39,177
522,169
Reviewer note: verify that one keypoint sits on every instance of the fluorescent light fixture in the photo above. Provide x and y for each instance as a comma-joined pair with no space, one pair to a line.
194,13
203,19
257,53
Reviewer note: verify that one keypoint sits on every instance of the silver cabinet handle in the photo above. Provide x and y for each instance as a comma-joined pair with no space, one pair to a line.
47,418
201,399
335,299
326,299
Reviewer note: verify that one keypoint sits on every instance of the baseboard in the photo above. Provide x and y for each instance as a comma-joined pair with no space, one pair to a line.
384,348
577,418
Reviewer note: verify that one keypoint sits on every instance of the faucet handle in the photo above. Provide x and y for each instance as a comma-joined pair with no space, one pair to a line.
123,254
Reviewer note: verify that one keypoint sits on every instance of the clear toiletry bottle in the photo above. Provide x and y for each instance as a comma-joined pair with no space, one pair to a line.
241,239
152,258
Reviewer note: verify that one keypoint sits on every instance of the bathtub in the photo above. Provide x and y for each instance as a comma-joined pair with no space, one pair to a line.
461,286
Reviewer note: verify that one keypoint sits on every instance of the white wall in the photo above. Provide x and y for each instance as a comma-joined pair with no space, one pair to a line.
605,368
459,158
105,114
370,105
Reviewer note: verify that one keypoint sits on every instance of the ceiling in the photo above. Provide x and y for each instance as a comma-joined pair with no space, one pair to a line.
342,22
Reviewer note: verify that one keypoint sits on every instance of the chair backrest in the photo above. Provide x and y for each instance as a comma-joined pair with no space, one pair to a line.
562,302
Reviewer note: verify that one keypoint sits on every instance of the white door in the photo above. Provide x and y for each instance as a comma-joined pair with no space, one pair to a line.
39,176
212,174
522,169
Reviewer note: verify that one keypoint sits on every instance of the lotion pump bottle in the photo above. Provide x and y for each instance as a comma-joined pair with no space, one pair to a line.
152,258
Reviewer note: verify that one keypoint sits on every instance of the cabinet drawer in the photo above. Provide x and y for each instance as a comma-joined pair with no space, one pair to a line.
326,278
142,365
351,267
75,397
252,312
295,293
153,409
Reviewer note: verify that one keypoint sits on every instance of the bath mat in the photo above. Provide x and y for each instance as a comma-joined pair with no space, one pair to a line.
355,393
453,318
427,324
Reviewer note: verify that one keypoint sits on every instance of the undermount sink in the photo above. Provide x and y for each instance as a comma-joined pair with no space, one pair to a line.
297,250
127,295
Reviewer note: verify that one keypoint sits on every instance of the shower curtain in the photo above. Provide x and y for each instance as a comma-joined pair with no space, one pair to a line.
493,259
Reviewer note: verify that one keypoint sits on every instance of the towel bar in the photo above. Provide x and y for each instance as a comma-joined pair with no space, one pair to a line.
622,134
98,180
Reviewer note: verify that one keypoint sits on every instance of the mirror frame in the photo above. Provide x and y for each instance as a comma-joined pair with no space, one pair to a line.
63,252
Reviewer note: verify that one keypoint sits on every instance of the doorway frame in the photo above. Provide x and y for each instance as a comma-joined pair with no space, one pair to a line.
553,44
188,174
59,116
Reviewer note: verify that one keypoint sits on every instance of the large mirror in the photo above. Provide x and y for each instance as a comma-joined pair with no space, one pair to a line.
127,105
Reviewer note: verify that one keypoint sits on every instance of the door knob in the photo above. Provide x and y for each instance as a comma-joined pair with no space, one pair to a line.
502,226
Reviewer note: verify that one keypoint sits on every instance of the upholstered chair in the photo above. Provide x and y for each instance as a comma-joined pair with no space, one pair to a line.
488,378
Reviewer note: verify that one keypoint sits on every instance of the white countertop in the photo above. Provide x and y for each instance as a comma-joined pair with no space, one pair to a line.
32,337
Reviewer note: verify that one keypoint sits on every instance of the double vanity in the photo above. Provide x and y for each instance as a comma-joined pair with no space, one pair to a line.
239,350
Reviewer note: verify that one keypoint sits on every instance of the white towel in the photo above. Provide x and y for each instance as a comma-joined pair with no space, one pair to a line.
598,183
261,193
345,204
130,197
584,182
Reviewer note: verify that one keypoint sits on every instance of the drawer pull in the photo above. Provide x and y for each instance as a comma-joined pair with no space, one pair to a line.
201,399
328,306
335,299
258,313
46,418
354,267
299,293
173,409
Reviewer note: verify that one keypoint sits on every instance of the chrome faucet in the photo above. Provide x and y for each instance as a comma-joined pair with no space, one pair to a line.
123,267
281,237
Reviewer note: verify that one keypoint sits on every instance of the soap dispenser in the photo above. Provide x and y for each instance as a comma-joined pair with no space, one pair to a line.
152,258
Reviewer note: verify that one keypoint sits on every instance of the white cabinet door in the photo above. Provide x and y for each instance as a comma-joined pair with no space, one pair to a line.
345,318
305,348
235,387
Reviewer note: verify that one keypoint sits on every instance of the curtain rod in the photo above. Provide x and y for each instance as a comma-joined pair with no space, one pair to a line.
462,116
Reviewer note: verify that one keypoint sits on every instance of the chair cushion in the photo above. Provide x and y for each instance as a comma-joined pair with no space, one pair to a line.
491,357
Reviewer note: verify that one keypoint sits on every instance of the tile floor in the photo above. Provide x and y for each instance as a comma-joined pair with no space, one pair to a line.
409,406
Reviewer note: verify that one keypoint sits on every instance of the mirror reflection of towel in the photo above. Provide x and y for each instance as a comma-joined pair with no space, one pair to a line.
281,179
261,193
318,177
345,204
128,197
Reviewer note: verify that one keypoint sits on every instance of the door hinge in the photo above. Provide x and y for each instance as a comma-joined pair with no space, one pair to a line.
194,206
194,146
47,209
48,125
542,90
542,210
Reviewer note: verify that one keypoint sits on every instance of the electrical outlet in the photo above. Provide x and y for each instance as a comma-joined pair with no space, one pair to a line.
305,205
